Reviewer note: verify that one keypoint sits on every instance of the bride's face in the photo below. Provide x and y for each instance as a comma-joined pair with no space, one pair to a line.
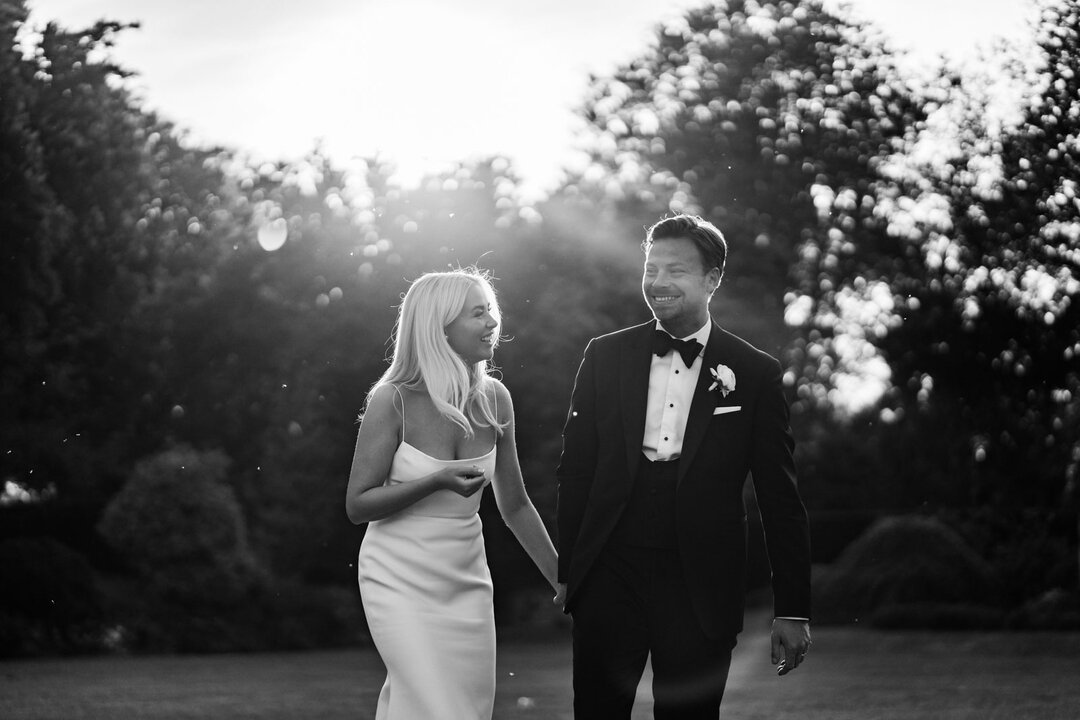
472,333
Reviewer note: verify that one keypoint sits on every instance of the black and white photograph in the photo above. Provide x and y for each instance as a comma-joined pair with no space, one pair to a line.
572,360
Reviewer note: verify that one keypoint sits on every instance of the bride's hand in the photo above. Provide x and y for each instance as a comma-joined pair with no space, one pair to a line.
560,596
463,480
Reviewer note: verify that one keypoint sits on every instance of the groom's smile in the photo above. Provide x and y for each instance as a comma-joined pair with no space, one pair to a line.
676,286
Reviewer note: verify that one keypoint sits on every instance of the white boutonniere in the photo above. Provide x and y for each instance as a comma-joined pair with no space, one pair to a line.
723,378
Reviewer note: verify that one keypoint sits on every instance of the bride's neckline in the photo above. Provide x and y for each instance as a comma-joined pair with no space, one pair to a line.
458,460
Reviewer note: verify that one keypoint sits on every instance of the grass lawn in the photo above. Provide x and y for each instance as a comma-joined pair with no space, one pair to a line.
851,673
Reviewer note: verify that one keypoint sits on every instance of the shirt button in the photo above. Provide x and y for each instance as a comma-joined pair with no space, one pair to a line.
665,438
676,372
671,404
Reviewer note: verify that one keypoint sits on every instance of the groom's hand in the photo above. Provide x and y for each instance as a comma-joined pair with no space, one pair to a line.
790,642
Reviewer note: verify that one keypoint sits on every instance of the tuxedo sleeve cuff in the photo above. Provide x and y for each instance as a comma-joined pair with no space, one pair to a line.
793,618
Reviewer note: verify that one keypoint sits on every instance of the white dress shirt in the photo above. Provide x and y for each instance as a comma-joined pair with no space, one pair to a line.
671,390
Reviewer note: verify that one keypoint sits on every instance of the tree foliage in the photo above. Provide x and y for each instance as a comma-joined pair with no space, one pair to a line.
925,255
978,318
49,599
100,199
168,306
744,111
178,523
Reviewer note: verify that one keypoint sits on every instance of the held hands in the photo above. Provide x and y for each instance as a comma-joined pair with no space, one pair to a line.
463,480
559,600
790,642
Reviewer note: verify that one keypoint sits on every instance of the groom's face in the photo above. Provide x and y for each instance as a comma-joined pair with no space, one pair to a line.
676,285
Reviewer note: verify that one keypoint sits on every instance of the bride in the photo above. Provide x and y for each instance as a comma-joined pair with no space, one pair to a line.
436,430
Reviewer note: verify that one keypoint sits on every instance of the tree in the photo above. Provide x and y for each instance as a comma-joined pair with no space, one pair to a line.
741,111
979,326
103,211
28,213
974,304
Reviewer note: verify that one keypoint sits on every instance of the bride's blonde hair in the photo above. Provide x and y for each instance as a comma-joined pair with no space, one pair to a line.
423,358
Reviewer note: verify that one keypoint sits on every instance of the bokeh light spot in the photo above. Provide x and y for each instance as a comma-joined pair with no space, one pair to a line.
273,234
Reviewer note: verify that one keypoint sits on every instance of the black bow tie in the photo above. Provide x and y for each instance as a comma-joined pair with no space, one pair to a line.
664,343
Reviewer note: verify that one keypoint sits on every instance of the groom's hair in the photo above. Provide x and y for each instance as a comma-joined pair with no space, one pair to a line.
706,237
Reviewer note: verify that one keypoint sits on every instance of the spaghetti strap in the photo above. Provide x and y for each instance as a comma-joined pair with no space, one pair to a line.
402,399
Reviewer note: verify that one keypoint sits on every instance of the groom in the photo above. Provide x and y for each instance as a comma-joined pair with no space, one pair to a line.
666,421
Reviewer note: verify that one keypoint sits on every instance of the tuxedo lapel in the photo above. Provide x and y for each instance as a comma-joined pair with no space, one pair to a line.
701,407
634,390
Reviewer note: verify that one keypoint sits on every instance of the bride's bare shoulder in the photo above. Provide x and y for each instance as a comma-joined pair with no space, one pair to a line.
385,404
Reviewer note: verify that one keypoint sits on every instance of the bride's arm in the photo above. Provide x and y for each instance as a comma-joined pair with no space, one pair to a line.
367,498
515,507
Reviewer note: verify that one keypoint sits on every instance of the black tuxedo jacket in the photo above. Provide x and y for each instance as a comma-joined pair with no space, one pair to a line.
602,448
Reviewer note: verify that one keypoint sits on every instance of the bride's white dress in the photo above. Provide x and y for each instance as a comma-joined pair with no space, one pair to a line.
427,595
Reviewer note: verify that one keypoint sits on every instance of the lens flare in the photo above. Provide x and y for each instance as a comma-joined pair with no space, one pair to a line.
273,234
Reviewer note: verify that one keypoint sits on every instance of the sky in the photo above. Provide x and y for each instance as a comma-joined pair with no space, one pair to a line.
424,83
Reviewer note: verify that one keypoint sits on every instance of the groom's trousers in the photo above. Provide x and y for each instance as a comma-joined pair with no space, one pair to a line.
634,603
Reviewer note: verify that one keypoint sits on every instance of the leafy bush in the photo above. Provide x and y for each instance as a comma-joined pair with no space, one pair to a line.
937,616
49,600
907,571
1032,550
274,615
195,585
295,616
181,528
1053,610
181,531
